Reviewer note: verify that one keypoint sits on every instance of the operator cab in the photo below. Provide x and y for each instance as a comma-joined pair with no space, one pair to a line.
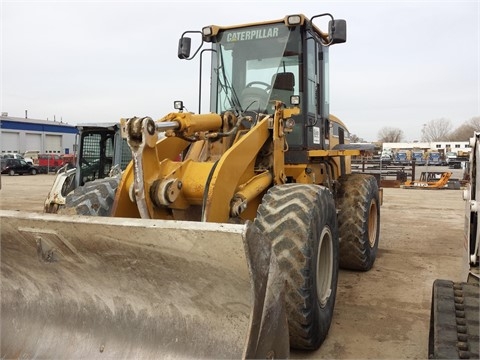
255,65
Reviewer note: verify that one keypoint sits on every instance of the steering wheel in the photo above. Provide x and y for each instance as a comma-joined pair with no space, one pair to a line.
84,161
267,85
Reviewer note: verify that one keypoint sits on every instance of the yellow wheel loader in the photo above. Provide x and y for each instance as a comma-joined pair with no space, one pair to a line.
221,240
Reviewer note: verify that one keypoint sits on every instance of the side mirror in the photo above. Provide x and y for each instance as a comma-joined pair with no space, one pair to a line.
184,45
337,31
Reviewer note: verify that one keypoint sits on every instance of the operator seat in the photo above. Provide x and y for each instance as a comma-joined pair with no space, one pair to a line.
254,99
283,86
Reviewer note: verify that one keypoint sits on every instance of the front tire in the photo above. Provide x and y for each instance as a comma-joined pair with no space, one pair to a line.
358,221
301,222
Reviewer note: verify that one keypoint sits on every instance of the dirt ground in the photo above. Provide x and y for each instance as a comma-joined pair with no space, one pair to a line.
380,314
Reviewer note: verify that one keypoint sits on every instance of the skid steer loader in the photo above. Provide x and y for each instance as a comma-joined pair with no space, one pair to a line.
455,306
231,251
101,152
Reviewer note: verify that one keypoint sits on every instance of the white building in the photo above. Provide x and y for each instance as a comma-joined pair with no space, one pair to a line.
441,146
18,135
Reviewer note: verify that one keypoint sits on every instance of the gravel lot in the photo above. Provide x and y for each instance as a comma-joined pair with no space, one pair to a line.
383,313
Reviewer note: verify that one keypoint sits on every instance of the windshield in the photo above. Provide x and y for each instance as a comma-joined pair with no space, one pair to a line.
253,66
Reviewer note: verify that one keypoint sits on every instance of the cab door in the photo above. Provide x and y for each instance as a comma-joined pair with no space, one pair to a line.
317,94
312,128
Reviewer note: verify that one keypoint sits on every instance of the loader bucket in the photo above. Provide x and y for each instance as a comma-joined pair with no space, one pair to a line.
91,287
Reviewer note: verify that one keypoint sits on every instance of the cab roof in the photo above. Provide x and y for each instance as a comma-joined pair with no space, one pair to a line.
215,29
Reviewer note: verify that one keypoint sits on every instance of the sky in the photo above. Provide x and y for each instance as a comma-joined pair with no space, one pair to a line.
404,64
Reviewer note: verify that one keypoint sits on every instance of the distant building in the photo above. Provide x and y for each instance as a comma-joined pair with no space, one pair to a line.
440,146
18,135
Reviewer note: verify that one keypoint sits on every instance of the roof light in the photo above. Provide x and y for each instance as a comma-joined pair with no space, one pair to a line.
207,31
294,20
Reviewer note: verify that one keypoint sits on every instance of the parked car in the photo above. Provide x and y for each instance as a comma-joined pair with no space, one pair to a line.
49,163
17,166
69,159
33,154
16,156
386,159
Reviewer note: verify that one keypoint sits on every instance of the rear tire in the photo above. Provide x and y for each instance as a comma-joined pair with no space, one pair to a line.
358,221
301,222
95,198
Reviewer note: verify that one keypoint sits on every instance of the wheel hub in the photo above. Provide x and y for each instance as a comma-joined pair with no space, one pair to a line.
324,267
372,224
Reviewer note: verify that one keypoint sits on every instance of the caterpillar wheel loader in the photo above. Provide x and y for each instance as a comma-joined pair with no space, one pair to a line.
231,251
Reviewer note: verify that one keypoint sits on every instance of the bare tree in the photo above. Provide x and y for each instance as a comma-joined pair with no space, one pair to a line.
465,131
354,138
389,134
475,122
437,130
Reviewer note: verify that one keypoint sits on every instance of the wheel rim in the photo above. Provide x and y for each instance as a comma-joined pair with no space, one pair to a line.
372,224
324,267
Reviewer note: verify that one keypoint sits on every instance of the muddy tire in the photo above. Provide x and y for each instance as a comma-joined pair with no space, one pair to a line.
358,221
301,222
95,198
